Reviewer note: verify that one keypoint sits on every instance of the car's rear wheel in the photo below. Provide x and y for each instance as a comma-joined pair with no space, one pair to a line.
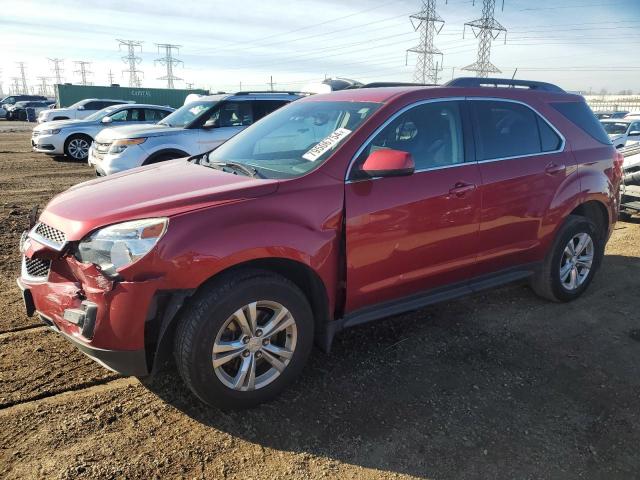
244,339
572,262
77,147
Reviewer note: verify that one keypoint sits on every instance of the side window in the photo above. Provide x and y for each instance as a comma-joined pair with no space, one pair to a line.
233,114
94,106
135,115
120,116
154,115
504,129
549,140
431,133
262,108
635,127
581,115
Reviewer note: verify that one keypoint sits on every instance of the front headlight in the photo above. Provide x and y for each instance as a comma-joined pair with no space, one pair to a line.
53,131
119,245
120,146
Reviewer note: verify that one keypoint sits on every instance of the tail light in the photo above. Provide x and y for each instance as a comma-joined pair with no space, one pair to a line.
618,160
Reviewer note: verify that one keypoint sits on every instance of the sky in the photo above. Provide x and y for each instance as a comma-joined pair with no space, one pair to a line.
582,45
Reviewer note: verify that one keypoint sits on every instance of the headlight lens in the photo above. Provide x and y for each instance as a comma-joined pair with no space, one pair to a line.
53,131
120,146
122,244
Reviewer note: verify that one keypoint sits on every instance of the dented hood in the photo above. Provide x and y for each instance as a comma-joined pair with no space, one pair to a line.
159,190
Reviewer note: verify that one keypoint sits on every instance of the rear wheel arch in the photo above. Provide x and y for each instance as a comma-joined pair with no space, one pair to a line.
597,212
60,118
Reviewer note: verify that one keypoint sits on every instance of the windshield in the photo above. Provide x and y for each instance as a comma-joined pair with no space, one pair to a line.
615,128
187,114
100,114
294,139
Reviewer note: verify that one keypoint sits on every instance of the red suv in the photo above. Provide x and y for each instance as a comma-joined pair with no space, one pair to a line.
333,211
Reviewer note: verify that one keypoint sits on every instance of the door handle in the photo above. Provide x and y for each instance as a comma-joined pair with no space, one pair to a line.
460,189
553,168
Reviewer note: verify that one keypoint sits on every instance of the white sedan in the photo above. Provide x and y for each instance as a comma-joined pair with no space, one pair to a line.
74,137
79,110
622,130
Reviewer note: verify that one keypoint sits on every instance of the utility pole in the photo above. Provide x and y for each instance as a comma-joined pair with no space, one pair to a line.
82,70
57,69
271,82
485,29
429,23
111,78
168,61
43,87
133,60
23,77
189,86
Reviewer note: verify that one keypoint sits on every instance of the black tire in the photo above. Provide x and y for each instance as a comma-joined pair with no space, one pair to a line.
205,317
546,281
72,147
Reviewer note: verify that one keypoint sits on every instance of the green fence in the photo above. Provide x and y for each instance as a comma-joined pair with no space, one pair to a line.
69,94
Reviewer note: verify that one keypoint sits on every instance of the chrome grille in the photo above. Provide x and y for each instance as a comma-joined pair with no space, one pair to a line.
52,235
36,267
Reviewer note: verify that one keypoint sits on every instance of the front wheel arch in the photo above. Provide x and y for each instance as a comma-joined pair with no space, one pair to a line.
164,155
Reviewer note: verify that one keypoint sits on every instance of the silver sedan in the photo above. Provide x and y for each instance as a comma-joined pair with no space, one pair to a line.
74,137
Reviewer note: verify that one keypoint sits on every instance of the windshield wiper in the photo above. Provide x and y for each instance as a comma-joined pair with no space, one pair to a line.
236,166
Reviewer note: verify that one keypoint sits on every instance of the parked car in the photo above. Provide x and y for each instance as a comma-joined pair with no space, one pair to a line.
635,114
333,211
191,130
622,130
12,99
18,111
73,137
610,114
78,110
3,112
630,198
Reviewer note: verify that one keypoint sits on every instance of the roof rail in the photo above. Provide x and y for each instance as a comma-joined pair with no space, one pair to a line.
395,84
275,92
503,82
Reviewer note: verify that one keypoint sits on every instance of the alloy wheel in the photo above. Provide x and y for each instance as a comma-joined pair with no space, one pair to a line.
78,148
254,345
576,261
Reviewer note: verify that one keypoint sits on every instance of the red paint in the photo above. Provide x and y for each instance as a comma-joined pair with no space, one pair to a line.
402,234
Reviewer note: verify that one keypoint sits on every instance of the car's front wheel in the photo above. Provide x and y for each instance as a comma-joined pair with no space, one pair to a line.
243,339
77,147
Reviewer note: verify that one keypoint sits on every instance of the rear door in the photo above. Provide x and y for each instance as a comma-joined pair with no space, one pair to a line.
523,165
409,234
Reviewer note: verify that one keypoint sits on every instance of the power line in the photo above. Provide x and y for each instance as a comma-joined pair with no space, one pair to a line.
429,23
132,60
168,61
486,29
23,77
57,69
82,70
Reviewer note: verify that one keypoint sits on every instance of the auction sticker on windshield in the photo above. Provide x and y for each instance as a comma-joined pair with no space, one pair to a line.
326,144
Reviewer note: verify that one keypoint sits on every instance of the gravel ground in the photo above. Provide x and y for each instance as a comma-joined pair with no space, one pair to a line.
498,385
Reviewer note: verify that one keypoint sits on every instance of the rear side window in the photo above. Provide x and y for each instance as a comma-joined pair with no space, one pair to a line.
152,115
549,139
504,129
581,115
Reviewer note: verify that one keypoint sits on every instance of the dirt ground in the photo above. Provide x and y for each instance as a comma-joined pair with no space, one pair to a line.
501,385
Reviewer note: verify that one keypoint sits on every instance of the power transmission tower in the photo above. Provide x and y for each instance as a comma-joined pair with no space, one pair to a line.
15,88
429,23
485,29
169,61
23,77
82,70
133,60
57,69
43,87
111,78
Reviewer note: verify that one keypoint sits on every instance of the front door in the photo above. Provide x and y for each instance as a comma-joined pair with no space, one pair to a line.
409,234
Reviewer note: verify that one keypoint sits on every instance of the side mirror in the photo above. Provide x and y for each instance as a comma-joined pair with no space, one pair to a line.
106,120
81,107
388,163
634,133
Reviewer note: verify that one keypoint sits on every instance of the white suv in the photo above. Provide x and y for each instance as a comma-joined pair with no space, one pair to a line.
78,110
195,128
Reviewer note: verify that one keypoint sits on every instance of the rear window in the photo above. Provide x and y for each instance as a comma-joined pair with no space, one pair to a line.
581,115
